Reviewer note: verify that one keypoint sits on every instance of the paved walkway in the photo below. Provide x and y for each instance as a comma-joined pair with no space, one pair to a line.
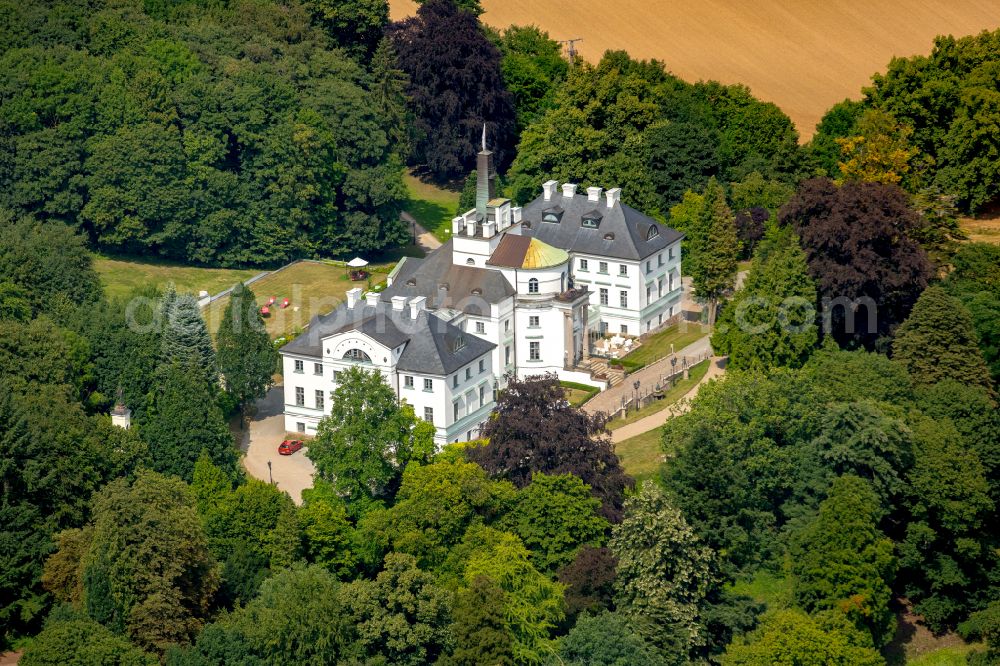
653,421
611,400
425,239
293,473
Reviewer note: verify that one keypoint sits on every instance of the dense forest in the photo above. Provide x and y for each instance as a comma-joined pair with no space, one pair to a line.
849,460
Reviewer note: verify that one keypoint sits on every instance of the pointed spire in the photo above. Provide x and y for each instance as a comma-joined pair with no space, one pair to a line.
484,137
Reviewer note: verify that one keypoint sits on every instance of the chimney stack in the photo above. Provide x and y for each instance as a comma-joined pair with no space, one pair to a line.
594,194
614,196
549,187
398,303
569,190
416,305
353,296
371,298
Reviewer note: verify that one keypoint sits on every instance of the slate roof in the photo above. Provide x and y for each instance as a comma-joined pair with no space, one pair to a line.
523,252
472,288
431,343
629,228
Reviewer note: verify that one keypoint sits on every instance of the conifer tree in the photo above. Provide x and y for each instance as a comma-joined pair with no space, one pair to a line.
937,341
247,359
771,320
185,337
712,238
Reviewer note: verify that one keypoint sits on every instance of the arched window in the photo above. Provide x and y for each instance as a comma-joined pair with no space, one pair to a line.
470,261
533,286
357,355
652,233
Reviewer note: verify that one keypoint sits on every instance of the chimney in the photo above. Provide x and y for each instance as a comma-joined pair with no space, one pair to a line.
416,305
569,189
594,194
489,229
442,301
456,225
614,196
515,214
470,227
371,298
398,303
549,187
486,177
353,296
121,416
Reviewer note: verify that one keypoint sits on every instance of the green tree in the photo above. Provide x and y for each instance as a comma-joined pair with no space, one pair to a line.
148,570
792,638
532,604
555,516
683,217
210,484
878,150
479,631
822,153
251,517
757,191
435,506
533,69
842,561
327,533
713,247
367,440
682,156
402,617
82,642
665,573
182,420
608,638
356,25
938,341
247,359
14,303
185,339
771,321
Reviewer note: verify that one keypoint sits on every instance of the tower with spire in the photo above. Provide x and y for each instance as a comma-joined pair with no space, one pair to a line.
486,178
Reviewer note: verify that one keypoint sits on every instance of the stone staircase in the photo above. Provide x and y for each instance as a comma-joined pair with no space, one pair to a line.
599,368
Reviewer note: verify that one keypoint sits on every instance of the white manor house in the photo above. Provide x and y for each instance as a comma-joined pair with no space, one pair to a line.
516,290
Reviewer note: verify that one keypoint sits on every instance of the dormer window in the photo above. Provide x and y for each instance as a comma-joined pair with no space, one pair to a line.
459,343
470,262
591,220
552,215
652,233
357,355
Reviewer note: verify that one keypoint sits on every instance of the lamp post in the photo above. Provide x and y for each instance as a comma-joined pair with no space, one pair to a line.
269,479
635,385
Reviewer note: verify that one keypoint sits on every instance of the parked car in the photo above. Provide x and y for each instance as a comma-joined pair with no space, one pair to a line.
289,446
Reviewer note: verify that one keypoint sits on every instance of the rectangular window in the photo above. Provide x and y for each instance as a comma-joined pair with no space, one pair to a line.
506,325
535,351
319,399
533,321
604,296
670,253
583,264
480,327
408,381
622,270
671,281
468,436
649,292
318,369
300,396
482,366
454,410
300,426
659,259
603,267
624,329
659,287
429,414
482,395
623,298
428,385
299,366
506,355
454,381
468,373
649,266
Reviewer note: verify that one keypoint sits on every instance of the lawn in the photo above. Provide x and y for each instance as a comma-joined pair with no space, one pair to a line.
577,394
946,656
641,455
120,276
432,206
657,346
313,288
671,396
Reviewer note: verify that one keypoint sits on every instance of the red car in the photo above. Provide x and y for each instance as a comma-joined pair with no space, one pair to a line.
289,446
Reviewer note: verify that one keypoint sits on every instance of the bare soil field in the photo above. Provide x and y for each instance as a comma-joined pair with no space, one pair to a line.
803,55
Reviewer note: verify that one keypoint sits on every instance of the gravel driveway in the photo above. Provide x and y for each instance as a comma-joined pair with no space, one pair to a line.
293,473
